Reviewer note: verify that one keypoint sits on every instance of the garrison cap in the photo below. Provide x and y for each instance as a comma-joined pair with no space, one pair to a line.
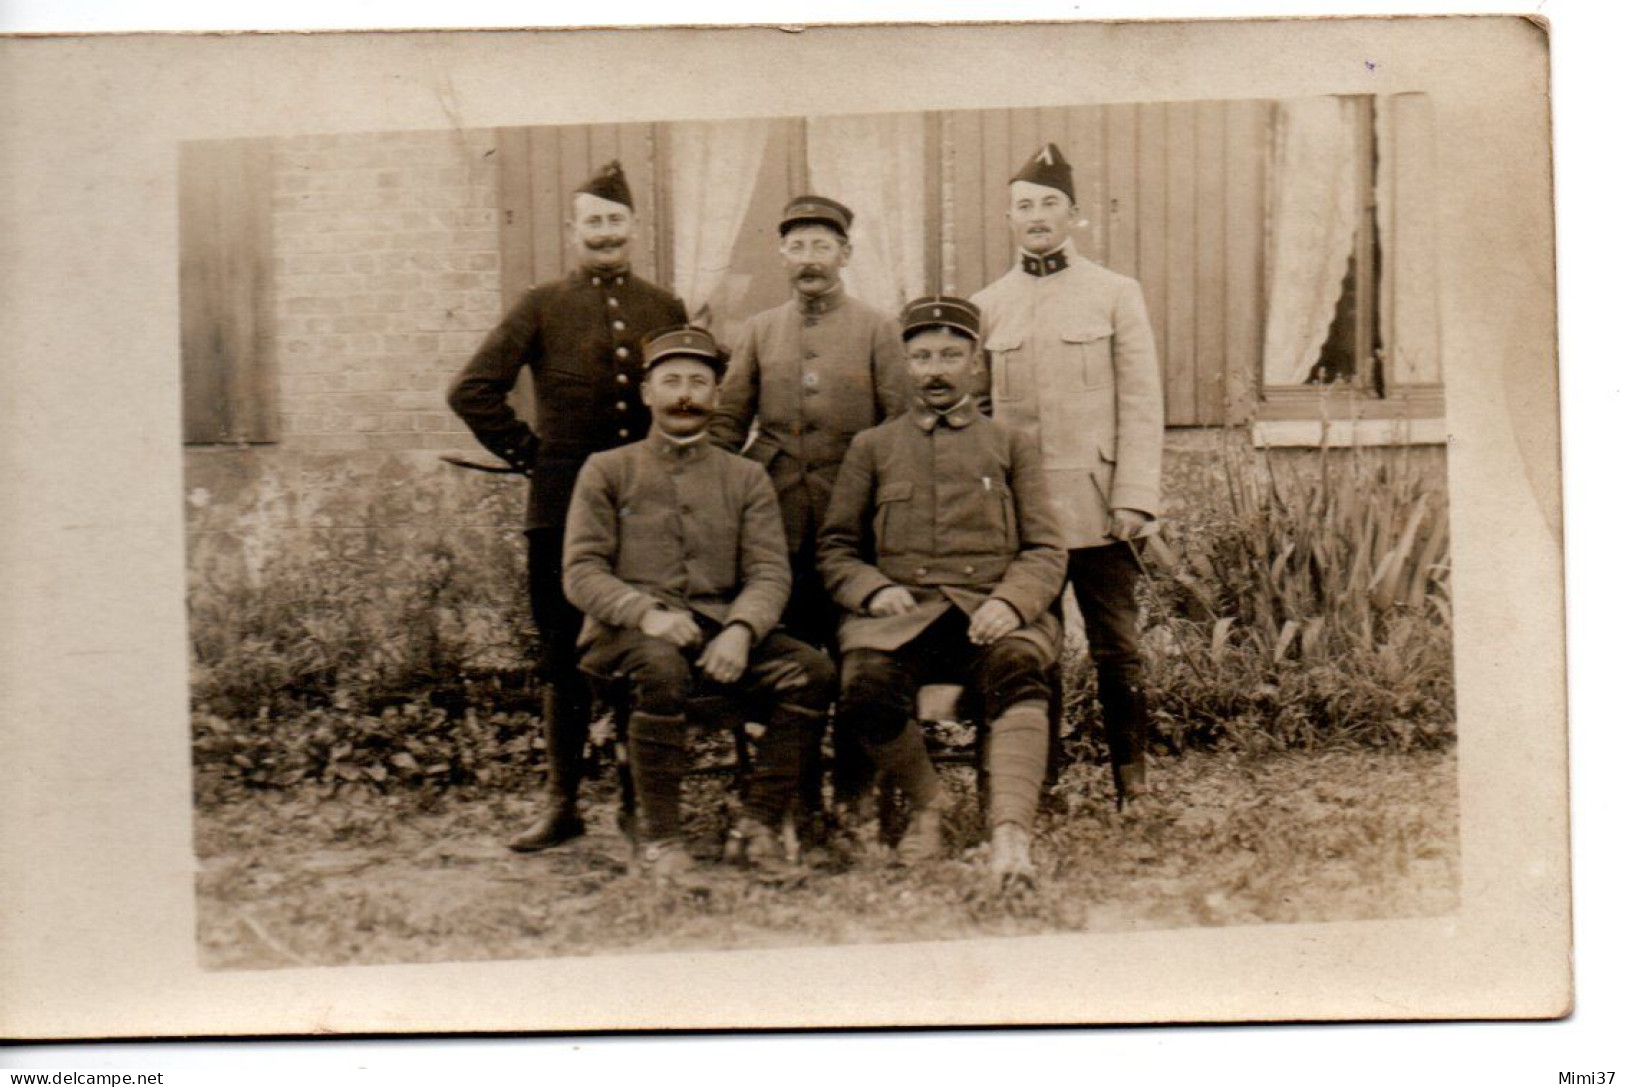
942,311
1048,167
816,209
683,342
608,183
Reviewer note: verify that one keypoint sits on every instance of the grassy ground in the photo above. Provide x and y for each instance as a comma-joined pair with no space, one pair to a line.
290,878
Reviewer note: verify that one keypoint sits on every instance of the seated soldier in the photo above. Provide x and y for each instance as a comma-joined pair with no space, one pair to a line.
943,550
674,551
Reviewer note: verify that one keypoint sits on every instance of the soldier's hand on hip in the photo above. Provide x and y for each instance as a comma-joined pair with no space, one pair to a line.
892,600
725,657
1127,524
992,621
676,627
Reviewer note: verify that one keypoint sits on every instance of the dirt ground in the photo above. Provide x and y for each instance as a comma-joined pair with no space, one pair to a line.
302,879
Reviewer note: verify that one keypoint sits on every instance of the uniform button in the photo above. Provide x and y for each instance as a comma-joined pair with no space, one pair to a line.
620,405
620,281
621,352
614,303
596,282
921,571
970,569
621,379
617,325
622,433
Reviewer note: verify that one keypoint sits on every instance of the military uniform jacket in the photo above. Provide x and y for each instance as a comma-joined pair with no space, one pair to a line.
690,526
953,507
579,336
812,373
1073,362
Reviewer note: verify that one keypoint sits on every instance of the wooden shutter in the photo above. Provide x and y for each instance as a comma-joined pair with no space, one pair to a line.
228,381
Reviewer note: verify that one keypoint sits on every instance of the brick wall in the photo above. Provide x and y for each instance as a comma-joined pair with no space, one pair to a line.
385,264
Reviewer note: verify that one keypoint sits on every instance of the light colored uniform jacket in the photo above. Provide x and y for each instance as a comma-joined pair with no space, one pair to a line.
812,374
952,507
1073,362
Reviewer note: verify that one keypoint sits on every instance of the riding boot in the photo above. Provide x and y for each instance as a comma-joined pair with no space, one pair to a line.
658,748
564,729
1123,711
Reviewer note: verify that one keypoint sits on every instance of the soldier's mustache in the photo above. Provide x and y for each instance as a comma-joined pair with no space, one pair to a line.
685,407
613,242
813,271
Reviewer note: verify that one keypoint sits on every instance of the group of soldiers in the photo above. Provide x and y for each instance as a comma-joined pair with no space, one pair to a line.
845,507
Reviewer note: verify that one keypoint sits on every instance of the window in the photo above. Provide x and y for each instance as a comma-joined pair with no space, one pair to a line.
1350,275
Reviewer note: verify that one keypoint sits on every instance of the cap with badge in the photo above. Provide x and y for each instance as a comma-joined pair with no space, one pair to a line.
806,210
608,183
1048,167
942,312
683,342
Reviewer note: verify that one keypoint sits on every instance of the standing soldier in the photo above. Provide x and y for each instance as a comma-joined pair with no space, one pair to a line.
579,335
812,373
1074,362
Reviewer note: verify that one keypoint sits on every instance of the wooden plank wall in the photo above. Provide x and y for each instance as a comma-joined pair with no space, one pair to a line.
1171,193
228,379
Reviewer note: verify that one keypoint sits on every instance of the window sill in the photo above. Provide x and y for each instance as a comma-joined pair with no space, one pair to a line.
1409,415
1340,433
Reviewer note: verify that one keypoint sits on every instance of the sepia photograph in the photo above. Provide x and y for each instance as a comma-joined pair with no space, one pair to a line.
747,528
1225,693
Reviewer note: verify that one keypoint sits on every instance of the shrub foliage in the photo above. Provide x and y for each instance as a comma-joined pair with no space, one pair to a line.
365,633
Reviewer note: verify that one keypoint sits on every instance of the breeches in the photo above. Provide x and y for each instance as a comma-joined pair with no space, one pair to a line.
558,623
1103,580
662,677
879,687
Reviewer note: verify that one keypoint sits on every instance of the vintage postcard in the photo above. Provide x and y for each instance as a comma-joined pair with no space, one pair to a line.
747,527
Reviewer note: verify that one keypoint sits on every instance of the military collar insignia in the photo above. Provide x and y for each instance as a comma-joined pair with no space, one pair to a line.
823,303
1046,265
603,279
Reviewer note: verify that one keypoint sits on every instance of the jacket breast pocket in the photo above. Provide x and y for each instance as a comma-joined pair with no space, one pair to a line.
1012,369
1089,350
891,517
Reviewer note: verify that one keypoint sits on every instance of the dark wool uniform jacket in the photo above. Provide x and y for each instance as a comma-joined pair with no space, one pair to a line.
579,336
812,374
953,507
691,527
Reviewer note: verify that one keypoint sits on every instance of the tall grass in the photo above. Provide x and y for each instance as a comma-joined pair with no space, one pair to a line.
1307,600
373,631
354,593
